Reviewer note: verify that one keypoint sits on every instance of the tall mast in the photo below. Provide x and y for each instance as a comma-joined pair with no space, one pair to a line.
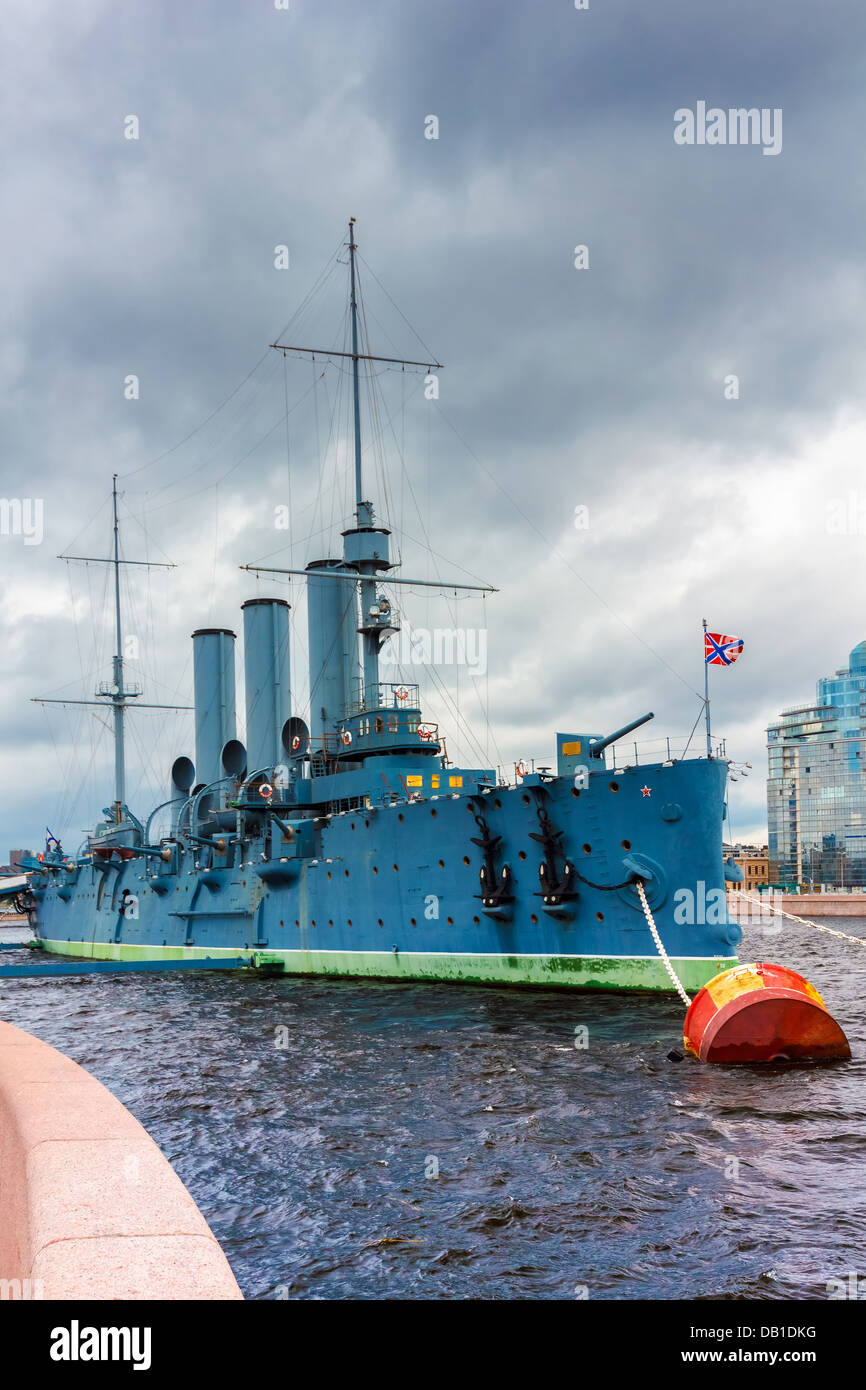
371,633
118,695
115,690
366,553
359,495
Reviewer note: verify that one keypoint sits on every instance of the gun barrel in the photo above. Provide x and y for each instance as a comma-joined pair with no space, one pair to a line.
598,748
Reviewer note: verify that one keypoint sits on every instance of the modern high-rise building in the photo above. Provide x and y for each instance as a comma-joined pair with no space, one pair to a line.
816,787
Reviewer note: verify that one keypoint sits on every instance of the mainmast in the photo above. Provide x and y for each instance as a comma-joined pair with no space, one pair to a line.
365,561
359,495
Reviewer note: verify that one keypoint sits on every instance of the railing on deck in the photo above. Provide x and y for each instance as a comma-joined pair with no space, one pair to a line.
672,748
387,695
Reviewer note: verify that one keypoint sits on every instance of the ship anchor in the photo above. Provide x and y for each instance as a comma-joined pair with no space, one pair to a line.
556,889
496,888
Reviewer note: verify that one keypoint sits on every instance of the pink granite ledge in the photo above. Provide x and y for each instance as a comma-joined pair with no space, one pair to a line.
89,1206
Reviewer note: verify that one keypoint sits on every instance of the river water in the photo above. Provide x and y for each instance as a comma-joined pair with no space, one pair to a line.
363,1140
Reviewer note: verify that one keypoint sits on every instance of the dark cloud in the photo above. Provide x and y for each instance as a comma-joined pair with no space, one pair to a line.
601,387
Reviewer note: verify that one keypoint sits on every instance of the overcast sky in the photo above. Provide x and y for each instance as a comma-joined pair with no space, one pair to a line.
602,387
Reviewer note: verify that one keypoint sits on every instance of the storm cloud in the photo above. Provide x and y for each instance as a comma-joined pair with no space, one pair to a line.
696,386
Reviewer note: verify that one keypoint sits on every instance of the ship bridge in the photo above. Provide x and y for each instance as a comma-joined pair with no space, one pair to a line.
386,720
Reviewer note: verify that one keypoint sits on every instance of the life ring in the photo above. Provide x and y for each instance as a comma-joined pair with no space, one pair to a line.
425,734
296,743
266,790
402,694
347,737
521,769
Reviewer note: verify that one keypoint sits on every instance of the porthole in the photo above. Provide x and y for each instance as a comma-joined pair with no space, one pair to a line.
533,919
441,863
587,849
527,800
477,921
626,844
450,921
466,859
413,922
521,854
614,786
599,916
381,923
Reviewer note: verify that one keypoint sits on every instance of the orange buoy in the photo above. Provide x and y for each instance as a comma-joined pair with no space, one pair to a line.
761,1013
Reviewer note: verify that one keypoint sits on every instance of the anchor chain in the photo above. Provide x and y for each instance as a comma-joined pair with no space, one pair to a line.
608,887
647,912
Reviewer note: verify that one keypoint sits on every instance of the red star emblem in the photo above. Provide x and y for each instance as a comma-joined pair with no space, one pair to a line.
645,791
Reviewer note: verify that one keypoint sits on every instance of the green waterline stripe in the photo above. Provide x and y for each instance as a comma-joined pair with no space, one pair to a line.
577,971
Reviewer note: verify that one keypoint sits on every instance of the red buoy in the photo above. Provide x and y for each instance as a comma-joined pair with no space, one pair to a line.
761,1013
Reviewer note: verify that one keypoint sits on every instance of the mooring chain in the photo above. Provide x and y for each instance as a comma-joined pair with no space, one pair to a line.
675,980
607,887
831,931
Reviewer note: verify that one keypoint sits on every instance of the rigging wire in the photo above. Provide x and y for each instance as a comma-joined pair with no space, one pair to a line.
324,275
397,307
557,555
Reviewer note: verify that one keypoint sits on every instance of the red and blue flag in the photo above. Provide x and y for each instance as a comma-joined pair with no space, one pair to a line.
720,650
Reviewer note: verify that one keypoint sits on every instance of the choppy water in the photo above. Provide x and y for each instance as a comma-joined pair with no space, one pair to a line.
610,1167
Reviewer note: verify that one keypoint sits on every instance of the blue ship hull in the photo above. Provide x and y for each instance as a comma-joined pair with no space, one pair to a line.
393,891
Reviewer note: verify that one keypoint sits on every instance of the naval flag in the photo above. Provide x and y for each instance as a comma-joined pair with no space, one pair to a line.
720,650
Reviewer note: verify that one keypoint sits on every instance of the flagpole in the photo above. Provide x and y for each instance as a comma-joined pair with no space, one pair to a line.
707,692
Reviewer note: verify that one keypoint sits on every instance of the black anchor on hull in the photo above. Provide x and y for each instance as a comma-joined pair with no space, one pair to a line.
496,888
555,888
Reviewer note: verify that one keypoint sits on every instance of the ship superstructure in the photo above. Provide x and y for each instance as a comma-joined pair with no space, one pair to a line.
350,844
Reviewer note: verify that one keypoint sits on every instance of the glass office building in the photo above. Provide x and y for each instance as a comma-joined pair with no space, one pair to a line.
816,792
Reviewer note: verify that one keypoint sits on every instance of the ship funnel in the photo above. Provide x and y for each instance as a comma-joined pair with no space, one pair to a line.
267,676
333,643
214,694
182,779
